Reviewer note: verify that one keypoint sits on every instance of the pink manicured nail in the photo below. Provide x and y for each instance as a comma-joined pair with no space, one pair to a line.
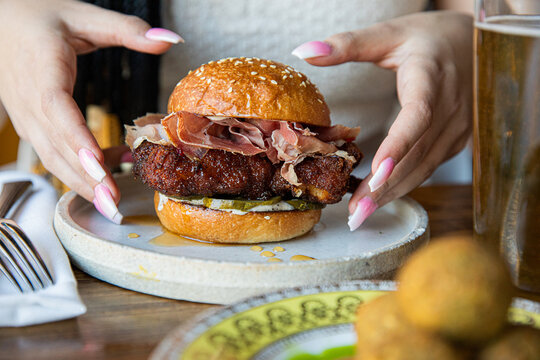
126,157
104,203
312,49
382,174
160,34
91,165
364,209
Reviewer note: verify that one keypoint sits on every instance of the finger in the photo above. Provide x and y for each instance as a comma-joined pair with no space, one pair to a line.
104,28
373,44
54,162
452,140
418,90
63,121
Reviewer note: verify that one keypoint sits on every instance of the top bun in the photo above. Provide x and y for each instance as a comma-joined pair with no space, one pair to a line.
250,88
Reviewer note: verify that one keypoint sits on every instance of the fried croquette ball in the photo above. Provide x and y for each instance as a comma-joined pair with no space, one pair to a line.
378,318
383,333
516,343
456,288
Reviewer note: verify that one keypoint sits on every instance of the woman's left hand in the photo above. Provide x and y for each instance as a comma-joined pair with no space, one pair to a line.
431,54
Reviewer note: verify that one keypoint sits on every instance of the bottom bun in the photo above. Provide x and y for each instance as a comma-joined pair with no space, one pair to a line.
201,223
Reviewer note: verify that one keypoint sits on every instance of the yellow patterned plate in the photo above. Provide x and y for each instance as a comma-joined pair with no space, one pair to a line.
292,324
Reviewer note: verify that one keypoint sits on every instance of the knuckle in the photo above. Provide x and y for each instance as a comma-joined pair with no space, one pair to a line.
133,22
48,99
420,150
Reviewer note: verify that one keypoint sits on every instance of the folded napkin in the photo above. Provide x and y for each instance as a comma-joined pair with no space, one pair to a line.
57,302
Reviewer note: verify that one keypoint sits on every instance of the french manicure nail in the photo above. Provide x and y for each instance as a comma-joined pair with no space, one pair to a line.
364,209
382,174
91,165
160,34
104,203
312,49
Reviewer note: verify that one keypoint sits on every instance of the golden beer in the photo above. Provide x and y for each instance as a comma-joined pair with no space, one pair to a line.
507,142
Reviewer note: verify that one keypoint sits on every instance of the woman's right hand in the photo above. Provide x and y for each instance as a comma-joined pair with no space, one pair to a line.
40,41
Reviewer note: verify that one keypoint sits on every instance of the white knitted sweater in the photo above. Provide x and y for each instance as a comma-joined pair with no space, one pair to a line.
358,94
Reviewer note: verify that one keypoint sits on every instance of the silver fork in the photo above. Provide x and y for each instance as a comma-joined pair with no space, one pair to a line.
20,263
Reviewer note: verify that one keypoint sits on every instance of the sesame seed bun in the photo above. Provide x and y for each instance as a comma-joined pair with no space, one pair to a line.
250,88
201,223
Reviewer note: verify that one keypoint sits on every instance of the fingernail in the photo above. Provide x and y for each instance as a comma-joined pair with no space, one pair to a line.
126,157
382,174
104,203
91,165
160,34
364,209
312,49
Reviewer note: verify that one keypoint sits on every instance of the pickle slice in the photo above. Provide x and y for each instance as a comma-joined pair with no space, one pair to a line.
237,204
303,205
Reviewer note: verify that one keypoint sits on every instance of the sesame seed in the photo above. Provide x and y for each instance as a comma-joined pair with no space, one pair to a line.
202,78
230,90
290,76
248,59
287,71
262,78
273,82
256,58
319,100
250,62
211,62
238,63
290,68
273,66
285,77
263,65
299,75
189,73
253,73
303,84
208,81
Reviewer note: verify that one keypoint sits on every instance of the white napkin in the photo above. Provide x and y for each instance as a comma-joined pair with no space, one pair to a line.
60,301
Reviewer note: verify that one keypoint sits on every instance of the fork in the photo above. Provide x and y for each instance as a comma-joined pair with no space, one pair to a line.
20,262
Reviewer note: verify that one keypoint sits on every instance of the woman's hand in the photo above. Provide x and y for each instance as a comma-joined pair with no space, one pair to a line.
431,54
40,41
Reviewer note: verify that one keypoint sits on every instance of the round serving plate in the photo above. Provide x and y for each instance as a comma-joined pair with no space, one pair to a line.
291,324
140,255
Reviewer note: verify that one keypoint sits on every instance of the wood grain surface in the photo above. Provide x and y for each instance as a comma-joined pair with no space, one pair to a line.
121,324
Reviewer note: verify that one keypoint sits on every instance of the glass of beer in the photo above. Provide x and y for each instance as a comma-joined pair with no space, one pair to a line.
506,181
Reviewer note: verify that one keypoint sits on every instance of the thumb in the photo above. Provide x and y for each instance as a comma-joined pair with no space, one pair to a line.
98,27
371,44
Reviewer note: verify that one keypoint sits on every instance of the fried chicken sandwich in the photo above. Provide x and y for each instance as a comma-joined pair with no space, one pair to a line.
246,153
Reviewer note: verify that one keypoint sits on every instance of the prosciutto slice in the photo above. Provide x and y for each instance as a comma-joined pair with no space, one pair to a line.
227,134
281,141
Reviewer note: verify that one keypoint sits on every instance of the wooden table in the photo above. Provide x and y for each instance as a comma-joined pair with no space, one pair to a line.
121,324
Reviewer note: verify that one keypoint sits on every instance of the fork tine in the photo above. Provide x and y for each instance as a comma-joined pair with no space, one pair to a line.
22,258
4,270
4,251
39,267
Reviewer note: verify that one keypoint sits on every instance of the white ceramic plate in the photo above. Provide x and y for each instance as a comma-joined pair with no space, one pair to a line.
204,272
313,323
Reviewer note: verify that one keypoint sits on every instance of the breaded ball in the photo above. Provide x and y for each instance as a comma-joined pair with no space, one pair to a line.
376,319
383,333
456,288
516,343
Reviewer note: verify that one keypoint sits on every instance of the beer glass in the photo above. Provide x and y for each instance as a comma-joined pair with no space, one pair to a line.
507,134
